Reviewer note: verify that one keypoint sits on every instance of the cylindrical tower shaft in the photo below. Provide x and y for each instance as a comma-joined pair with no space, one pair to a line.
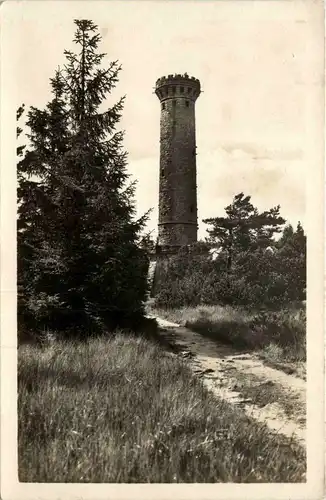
177,184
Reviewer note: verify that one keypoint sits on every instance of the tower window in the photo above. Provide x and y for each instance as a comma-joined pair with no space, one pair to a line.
182,90
187,104
163,105
192,209
189,90
162,172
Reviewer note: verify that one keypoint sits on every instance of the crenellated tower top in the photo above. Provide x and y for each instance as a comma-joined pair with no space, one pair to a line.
177,85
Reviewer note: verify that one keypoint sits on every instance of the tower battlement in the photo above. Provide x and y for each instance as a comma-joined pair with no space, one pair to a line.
177,85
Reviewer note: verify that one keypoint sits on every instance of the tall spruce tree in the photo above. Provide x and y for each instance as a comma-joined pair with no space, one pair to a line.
80,262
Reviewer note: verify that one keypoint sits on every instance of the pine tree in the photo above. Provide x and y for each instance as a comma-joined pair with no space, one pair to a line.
244,228
81,263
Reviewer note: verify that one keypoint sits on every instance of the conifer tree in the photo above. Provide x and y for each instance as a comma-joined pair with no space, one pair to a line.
81,265
291,258
244,228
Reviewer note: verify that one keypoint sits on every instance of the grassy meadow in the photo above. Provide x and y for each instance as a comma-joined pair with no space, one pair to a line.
125,410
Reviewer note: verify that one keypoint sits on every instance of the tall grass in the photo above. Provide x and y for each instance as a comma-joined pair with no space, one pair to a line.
123,410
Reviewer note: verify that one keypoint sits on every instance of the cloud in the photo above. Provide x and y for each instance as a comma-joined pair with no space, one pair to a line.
259,152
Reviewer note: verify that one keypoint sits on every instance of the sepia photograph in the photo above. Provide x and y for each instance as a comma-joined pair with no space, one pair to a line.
166,203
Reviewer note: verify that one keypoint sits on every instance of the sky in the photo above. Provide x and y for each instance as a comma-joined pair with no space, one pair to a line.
256,63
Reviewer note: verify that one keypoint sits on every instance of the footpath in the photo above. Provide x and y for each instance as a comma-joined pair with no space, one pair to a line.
263,393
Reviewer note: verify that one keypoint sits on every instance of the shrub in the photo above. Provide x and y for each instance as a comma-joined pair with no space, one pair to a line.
257,279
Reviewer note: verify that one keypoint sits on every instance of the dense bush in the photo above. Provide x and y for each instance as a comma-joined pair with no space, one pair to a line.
261,278
250,266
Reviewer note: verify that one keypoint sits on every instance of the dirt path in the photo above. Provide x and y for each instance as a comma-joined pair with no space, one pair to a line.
266,394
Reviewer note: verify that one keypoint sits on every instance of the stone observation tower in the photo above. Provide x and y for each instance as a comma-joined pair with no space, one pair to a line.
177,225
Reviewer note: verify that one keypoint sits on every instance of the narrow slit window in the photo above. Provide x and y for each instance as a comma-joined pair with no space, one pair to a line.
163,105
189,90
187,104
162,172
182,90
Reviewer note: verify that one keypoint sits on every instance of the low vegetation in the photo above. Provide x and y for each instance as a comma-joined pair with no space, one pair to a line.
122,410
